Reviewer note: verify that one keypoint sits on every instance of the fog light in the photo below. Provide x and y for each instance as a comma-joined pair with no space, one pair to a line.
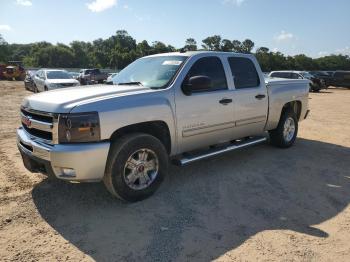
68,172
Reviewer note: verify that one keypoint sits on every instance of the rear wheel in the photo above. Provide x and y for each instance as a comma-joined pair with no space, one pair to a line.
286,132
136,166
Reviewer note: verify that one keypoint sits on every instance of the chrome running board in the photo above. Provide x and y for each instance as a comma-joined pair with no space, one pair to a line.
187,159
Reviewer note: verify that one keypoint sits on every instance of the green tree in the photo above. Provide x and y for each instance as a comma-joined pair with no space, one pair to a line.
80,51
226,45
212,43
4,50
143,48
55,56
159,47
247,46
121,49
236,46
302,62
190,44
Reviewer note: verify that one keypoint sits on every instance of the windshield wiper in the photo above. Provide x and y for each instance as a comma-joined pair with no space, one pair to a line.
130,83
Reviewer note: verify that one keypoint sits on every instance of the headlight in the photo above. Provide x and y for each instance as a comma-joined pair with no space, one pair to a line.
79,128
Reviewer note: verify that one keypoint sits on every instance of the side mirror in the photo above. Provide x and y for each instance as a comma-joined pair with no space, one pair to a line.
196,84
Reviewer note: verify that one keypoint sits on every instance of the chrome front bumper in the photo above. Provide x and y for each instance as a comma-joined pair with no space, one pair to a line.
88,160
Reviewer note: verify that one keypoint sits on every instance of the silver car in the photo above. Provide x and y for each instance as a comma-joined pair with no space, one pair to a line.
49,79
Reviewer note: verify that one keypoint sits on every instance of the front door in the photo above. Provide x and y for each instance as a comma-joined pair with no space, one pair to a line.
205,118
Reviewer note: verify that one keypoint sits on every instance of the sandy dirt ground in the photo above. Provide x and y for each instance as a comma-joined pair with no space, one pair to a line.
257,204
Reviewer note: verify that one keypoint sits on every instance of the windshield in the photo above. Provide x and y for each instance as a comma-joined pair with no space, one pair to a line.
58,75
152,72
306,75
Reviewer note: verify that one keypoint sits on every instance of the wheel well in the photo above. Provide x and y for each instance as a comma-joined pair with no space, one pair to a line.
158,129
295,106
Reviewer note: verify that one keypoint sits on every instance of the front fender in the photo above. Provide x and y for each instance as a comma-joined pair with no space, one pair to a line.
119,112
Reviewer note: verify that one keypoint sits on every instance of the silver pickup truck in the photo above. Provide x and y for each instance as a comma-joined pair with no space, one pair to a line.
179,107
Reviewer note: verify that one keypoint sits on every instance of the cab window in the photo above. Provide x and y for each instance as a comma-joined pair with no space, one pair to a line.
212,68
244,72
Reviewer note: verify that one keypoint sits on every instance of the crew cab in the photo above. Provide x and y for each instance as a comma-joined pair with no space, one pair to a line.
175,107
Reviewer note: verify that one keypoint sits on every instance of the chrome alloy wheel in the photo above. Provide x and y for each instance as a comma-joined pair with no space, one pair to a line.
141,169
289,129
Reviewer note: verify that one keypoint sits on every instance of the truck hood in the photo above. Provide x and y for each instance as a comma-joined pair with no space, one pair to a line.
64,100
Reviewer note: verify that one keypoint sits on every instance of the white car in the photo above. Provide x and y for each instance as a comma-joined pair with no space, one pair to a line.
109,80
49,79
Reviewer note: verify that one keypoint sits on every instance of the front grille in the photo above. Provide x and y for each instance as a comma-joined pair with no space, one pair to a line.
38,133
38,124
38,116
67,84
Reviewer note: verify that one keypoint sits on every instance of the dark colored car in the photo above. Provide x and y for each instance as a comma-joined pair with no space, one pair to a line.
325,76
341,79
28,80
91,76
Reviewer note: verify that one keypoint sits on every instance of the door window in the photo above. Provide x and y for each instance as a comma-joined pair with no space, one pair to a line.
212,68
244,72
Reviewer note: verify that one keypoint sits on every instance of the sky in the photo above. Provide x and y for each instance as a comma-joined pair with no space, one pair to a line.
313,27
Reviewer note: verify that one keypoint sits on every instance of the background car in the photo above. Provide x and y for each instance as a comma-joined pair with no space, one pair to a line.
49,79
341,79
28,80
316,84
326,77
74,75
109,80
91,76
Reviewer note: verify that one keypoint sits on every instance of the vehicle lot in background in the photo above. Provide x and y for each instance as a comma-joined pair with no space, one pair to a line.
326,77
341,78
291,205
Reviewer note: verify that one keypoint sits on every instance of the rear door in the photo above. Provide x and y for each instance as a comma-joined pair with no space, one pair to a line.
250,98
206,117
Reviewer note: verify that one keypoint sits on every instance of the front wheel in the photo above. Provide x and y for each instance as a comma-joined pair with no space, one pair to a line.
136,166
286,132
36,90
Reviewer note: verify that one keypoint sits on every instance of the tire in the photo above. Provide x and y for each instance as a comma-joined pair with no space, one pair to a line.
128,149
35,89
280,136
45,88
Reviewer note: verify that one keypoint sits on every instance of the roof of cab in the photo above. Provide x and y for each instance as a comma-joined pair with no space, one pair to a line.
192,53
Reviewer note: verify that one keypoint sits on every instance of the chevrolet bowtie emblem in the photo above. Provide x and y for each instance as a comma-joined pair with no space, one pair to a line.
27,121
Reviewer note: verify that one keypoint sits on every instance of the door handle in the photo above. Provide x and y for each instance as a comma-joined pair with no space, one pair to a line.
225,101
260,96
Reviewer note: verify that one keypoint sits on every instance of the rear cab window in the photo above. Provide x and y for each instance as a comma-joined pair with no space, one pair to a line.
244,72
281,74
